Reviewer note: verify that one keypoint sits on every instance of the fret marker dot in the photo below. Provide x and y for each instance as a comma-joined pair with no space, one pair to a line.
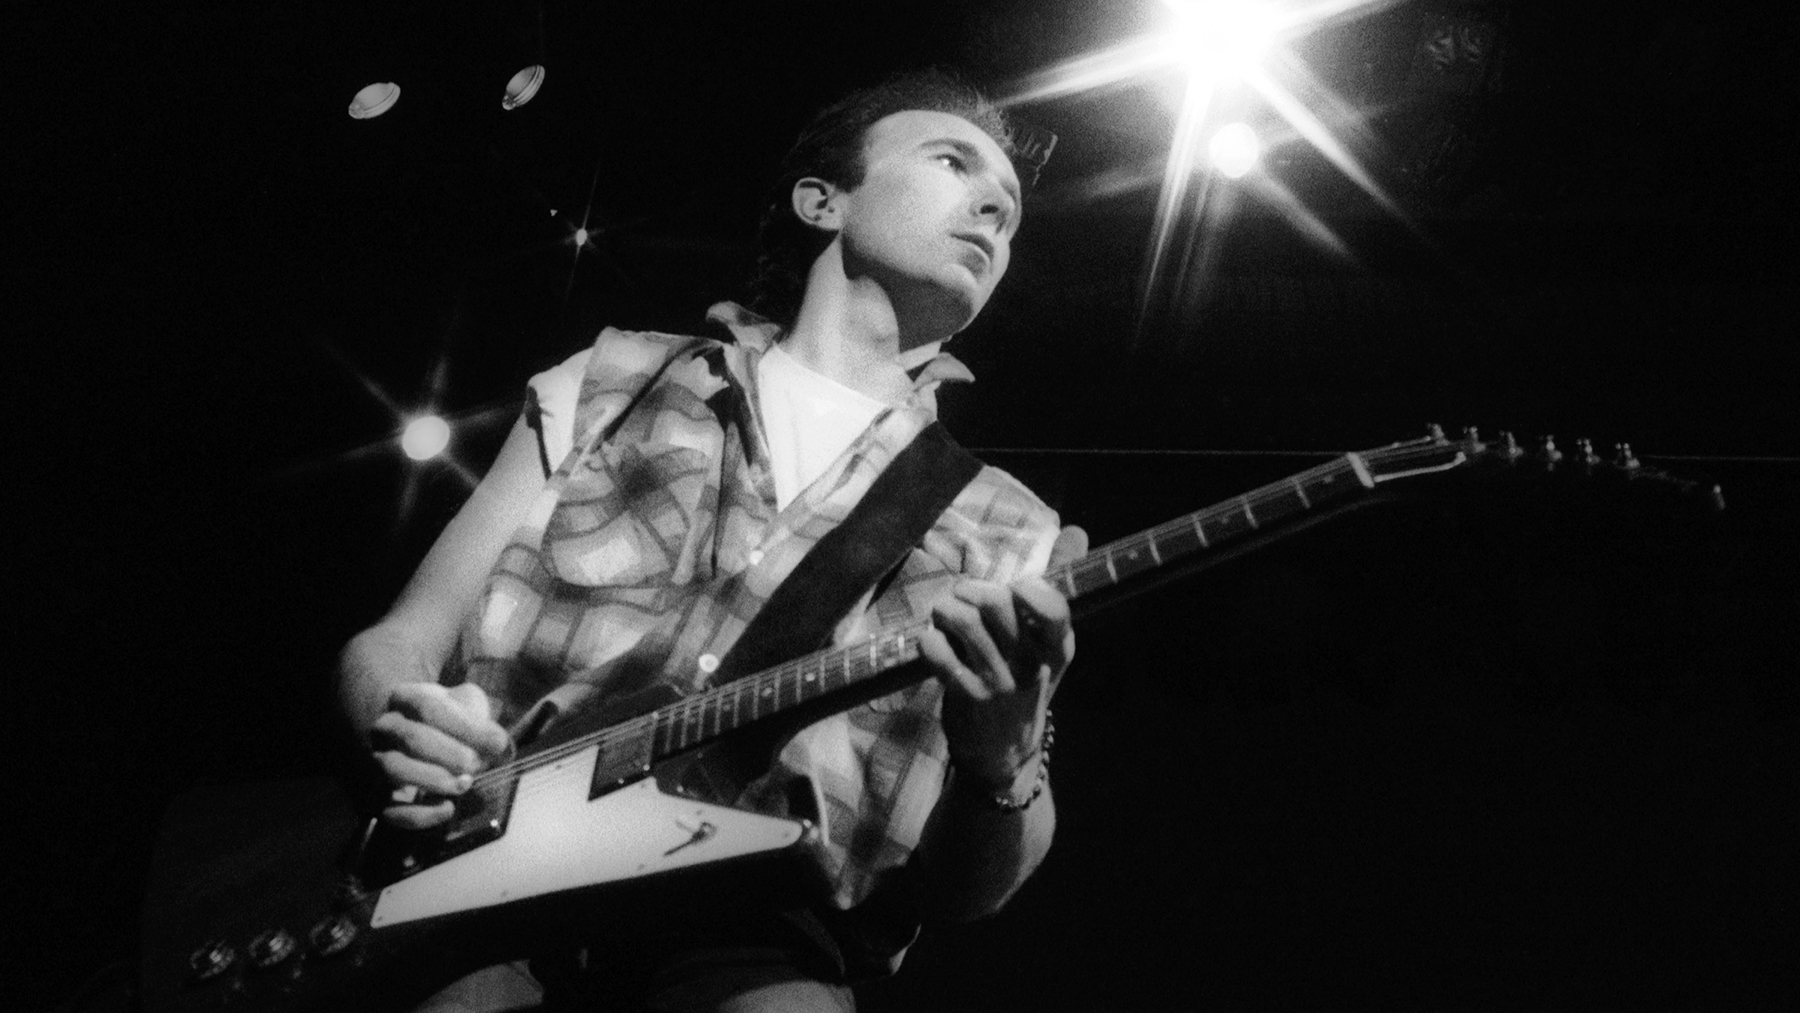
709,663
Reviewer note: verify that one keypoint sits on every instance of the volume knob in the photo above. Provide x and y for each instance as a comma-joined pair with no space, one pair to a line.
272,947
332,935
212,959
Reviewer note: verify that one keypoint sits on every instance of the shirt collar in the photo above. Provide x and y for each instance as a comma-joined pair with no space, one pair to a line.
758,333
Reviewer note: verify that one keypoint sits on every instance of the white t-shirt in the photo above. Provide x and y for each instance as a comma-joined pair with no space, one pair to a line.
809,419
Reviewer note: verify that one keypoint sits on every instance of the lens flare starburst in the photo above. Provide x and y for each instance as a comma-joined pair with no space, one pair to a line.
1231,55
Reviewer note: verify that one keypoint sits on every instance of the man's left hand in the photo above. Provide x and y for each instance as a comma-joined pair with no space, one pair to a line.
1000,650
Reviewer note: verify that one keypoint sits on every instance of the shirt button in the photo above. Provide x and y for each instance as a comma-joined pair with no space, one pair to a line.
709,663
755,556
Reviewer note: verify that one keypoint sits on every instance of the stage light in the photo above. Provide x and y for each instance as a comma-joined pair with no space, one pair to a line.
373,100
425,437
519,50
522,87
581,237
1219,39
1235,149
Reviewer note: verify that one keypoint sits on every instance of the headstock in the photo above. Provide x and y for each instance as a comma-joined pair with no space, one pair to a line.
1437,452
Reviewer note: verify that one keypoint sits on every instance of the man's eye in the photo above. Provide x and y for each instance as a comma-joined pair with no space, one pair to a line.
953,161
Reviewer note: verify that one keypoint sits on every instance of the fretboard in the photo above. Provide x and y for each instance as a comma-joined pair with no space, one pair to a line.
1187,537
707,715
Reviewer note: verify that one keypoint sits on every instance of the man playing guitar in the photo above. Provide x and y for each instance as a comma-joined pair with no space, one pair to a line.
649,503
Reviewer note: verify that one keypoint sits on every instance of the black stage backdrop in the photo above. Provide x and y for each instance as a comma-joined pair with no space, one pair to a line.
1499,744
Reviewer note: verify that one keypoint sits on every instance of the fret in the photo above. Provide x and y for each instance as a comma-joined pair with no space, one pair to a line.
1069,580
1249,518
1091,574
690,725
1200,529
1325,483
1130,558
1278,502
1222,525
1111,570
660,745
1155,555
1300,491
1176,540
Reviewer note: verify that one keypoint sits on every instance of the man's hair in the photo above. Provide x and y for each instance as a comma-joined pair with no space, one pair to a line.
831,148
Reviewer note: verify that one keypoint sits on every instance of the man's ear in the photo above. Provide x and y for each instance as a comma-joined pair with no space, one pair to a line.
816,204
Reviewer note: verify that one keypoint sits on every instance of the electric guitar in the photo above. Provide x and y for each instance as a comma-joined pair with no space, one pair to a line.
564,839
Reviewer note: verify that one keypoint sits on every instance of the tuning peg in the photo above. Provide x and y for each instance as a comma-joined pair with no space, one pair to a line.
1472,440
1548,452
1509,446
1436,433
1584,452
1623,459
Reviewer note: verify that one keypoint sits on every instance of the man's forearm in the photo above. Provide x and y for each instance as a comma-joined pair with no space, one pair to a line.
975,856
372,664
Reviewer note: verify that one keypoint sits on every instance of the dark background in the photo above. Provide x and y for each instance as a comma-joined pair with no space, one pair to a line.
1503,744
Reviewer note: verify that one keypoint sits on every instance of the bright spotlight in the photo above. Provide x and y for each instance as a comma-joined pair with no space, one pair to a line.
581,237
373,100
1219,38
1235,149
523,86
425,437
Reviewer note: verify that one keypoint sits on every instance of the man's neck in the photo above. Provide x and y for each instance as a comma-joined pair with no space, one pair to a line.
848,329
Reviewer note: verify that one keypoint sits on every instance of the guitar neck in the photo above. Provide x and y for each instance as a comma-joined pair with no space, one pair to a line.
699,718
1186,538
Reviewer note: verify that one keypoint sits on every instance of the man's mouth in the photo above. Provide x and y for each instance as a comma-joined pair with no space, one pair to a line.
982,244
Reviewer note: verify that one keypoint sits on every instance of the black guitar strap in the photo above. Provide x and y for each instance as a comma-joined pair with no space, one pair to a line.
903,502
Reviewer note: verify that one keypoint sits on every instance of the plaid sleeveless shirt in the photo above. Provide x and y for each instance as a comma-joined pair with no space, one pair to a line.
657,538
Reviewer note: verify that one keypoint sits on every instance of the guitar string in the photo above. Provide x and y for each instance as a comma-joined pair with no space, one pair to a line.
668,722
854,662
649,724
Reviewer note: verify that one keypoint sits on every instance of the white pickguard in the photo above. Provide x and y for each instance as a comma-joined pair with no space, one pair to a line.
556,839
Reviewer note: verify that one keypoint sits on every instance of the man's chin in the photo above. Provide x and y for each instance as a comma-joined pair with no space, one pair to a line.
946,309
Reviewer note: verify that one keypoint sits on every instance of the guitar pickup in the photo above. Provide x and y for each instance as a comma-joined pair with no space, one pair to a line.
621,762
481,816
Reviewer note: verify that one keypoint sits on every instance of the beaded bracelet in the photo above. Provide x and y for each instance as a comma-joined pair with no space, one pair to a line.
1000,801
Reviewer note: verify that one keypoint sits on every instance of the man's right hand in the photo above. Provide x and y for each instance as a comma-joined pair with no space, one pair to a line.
433,739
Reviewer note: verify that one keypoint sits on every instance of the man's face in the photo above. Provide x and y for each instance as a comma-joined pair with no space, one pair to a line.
934,217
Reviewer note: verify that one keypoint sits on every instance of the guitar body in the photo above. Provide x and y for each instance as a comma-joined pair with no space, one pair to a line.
234,868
